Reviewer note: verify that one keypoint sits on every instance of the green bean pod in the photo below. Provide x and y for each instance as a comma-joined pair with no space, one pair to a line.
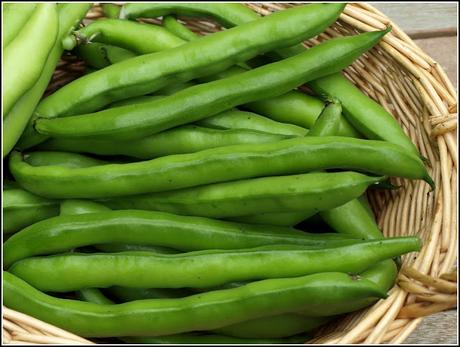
173,26
63,159
293,107
228,14
86,225
140,38
21,209
363,113
201,269
14,17
309,193
323,294
230,119
17,120
207,99
96,90
111,10
98,55
180,140
235,119
214,165
38,35
94,295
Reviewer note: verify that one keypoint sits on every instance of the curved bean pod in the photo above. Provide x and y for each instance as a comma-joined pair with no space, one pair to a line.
180,140
293,107
14,17
149,228
204,100
38,35
319,294
21,209
136,37
363,113
202,269
228,163
92,92
98,55
16,123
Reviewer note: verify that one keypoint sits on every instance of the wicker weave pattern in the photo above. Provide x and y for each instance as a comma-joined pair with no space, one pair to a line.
416,90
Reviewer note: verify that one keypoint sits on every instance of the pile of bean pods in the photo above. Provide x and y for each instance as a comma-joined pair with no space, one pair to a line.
183,190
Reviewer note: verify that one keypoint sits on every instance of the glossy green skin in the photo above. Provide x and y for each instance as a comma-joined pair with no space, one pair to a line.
14,17
291,156
321,294
212,339
140,38
94,295
227,13
307,192
38,36
63,159
363,113
21,209
111,10
172,25
17,120
207,99
355,217
235,119
351,218
293,107
98,55
93,225
328,123
180,140
72,207
151,72
201,269
229,119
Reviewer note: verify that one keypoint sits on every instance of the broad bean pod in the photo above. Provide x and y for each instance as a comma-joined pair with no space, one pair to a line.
14,17
214,165
17,120
293,107
207,99
279,326
323,294
38,35
76,228
201,269
98,55
309,193
94,91
180,140
140,38
21,209
373,121
363,113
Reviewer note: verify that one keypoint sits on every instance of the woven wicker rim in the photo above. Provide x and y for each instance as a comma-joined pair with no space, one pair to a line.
417,91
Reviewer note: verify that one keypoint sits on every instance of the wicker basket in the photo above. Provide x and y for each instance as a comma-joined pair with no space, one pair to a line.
416,90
